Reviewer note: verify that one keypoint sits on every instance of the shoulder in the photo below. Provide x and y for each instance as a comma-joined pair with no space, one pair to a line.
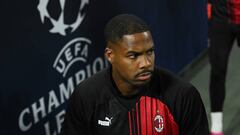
93,85
179,95
173,85
89,92
169,79
97,79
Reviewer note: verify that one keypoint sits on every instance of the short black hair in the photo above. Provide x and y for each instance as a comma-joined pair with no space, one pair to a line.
124,24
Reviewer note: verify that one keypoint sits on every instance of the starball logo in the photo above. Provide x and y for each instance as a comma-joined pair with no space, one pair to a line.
46,114
58,24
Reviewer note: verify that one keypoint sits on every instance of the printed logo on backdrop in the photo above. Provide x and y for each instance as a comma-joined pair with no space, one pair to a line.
59,26
73,53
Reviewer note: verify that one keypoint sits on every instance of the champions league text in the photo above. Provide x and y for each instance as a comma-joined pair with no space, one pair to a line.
36,115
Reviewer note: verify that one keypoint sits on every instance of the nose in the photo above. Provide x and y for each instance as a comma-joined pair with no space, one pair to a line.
145,62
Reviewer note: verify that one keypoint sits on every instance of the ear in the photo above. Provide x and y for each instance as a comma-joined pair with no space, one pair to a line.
109,54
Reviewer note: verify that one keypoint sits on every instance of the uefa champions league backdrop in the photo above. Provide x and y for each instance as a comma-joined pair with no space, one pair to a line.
49,46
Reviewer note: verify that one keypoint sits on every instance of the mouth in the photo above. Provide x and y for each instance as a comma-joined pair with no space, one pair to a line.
144,76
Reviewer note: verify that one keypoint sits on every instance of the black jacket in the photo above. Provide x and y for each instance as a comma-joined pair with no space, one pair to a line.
167,106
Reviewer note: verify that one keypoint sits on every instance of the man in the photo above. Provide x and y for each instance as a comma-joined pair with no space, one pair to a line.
224,29
132,96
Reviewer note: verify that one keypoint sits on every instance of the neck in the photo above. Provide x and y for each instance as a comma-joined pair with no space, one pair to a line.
125,88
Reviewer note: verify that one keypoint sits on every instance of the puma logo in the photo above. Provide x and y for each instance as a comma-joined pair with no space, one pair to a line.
106,122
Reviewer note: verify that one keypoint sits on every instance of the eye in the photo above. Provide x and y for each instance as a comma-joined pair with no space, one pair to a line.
133,55
150,52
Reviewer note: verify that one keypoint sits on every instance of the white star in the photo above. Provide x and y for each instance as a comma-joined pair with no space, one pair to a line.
62,3
75,25
83,3
42,8
58,26
80,17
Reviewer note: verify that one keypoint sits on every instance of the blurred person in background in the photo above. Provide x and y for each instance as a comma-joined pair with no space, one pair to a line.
224,28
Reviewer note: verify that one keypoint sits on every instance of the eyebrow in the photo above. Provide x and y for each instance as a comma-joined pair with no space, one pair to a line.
136,52
151,49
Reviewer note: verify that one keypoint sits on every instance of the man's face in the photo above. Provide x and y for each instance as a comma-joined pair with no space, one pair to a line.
132,59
